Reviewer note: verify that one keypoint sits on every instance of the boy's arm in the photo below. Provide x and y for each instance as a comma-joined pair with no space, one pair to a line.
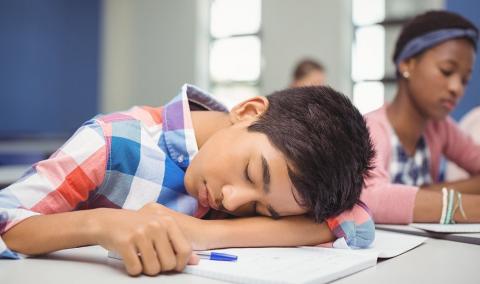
35,215
263,231
354,226
157,238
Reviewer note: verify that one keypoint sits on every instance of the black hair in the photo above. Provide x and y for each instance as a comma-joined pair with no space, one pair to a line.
306,66
431,21
326,143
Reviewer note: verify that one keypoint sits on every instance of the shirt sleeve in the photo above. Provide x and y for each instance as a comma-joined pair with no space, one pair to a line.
470,124
461,148
390,203
58,184
353,228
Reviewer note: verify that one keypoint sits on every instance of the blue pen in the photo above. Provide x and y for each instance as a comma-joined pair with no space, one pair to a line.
211,255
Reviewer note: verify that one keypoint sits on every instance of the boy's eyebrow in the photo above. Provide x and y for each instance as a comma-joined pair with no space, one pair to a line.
266,187
266,175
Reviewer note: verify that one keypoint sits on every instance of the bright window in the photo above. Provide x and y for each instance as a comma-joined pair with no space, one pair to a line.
368,96
367,12
369,53
235,59
235,49
233,17
377,24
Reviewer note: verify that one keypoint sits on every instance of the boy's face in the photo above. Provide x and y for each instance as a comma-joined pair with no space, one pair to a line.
240,172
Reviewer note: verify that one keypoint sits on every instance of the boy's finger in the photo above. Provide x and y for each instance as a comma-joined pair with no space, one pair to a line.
182,248
165,252
150,263
130,260
194,259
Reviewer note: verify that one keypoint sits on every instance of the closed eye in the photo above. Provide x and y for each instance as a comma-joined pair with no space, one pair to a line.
247,176
254,208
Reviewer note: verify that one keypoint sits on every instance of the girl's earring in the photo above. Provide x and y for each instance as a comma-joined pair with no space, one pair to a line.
406,74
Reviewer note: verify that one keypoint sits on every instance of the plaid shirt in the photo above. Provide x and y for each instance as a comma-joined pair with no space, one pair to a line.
128,159
414,170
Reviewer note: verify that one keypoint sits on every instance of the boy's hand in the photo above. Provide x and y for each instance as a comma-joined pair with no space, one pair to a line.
148,240
193,229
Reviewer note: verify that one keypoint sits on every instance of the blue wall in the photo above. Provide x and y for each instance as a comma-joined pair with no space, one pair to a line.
49,66
471,10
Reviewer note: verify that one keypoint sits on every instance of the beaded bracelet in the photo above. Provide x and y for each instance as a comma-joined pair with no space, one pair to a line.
444,206
450,206
451,197
460,205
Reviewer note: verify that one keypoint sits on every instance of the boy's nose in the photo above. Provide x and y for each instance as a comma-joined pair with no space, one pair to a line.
234,197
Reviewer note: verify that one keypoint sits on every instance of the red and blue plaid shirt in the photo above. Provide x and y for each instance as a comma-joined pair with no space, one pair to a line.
127,159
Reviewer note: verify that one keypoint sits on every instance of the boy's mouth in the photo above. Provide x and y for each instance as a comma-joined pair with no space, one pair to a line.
205,197
211,199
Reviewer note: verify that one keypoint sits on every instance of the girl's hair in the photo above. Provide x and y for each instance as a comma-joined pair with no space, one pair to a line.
429,22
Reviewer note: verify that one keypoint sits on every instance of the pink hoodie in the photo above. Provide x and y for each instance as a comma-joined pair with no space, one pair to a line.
394,203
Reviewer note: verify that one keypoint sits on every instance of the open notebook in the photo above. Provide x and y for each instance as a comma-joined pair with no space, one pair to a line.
302,264
284,265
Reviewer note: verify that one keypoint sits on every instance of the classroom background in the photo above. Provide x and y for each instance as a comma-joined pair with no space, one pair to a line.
62,62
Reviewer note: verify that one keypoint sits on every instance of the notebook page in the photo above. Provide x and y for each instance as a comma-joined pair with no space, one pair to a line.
448,228
389,244
284,265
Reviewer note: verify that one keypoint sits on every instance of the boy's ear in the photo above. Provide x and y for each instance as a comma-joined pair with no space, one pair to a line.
250,109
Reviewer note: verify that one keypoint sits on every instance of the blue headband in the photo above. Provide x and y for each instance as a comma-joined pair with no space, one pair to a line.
430,39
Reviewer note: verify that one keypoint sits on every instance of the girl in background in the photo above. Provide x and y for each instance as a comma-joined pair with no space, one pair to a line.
434,56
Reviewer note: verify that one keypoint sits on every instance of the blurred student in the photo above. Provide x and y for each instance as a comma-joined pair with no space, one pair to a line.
434,56
308,72
470,124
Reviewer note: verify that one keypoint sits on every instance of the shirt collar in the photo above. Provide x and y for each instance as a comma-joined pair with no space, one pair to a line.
177,123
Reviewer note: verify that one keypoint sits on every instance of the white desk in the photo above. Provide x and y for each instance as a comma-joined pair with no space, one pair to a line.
83,266
436,261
